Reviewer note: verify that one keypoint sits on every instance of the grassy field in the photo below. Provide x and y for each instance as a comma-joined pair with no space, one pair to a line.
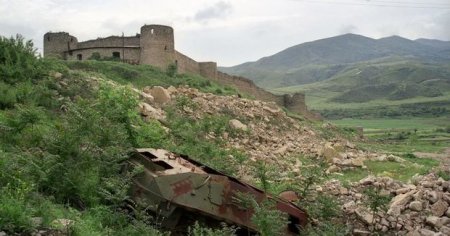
401,137
405,135
370,125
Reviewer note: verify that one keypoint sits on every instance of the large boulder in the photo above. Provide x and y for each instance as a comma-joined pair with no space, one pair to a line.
160,94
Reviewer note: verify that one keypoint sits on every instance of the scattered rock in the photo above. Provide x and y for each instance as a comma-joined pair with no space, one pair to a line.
329,152
432,196
415,206
364,215
37,221
150,112
361,232
62,224
57,75
236,124
333,169
147,98
426,232
445,230
439,208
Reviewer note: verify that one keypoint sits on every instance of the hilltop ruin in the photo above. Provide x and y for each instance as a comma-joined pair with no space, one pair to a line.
155,46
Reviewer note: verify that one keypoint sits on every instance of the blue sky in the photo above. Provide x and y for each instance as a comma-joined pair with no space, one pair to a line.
229,31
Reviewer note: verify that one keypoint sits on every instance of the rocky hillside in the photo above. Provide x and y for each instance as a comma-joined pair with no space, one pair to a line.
420,207
67,129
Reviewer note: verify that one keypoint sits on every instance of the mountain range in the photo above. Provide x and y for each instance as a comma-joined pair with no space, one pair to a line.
352,68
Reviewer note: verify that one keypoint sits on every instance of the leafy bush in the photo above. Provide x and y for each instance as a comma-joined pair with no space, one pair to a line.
18,62
198,230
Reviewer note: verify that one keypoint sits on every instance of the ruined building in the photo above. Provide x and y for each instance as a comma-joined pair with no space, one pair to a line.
155,46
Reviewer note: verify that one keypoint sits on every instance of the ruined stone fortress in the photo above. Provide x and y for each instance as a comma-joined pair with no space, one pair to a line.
155,46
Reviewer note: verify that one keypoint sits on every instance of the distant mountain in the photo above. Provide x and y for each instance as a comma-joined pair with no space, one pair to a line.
327,58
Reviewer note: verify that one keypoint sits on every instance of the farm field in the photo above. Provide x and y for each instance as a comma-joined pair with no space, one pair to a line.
403,135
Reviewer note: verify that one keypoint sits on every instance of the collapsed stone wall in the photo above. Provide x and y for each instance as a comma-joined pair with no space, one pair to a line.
294,102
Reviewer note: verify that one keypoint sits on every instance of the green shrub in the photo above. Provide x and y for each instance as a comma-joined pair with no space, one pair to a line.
15,213
18,62
197,230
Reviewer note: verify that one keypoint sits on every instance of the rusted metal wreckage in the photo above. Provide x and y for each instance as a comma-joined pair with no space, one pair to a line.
180,190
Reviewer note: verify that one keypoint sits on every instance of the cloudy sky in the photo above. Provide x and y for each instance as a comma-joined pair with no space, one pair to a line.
229,31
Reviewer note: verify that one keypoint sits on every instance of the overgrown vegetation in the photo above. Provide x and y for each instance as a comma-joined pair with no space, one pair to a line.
146,75
62,147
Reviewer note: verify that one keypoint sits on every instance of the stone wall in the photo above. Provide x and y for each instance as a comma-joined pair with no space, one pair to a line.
247,86
208,69
112,41
130,55
293,102
186,64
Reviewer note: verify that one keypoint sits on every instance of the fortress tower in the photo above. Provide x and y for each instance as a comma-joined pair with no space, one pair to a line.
157,45
57,44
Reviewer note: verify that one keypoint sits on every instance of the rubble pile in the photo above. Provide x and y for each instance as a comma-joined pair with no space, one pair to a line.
420,207
267,132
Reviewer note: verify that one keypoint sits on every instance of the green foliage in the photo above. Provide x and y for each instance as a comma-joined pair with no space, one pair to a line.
327,229
312,173
198,230
145,75
172,70
376,201
444,175
268,220
189,136
18,62
95,56
15,214
262,173
323,208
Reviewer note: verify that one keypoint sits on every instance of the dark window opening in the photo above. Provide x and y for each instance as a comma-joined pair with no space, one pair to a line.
48,38
165,47
70,53
79,57
176,63
163,164
71,39
116,55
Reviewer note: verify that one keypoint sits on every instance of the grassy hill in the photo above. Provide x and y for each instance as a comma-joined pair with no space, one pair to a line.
353,71
380,88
